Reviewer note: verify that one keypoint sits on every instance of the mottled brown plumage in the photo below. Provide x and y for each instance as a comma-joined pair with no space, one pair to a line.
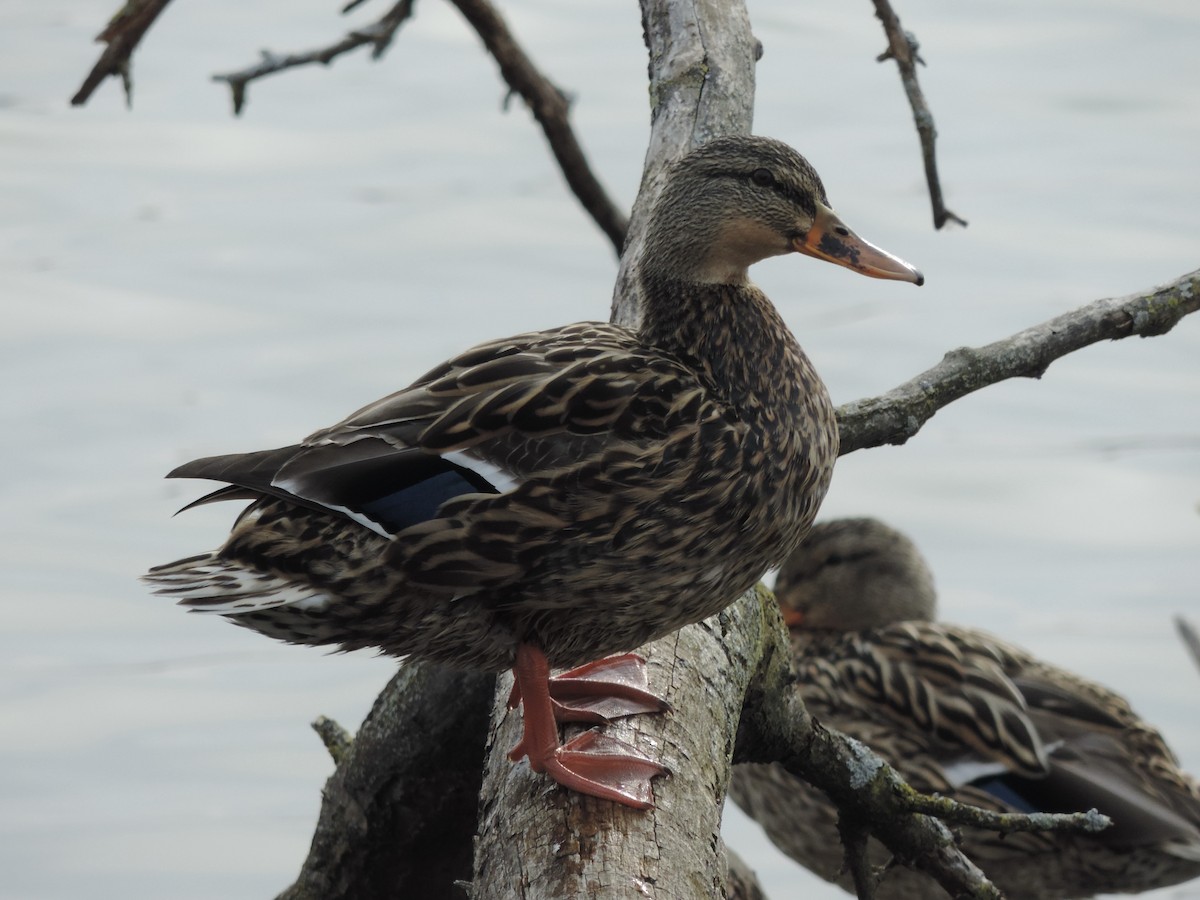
577,491
961,713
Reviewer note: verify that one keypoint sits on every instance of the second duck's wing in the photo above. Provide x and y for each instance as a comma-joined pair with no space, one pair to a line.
944,687
1105,756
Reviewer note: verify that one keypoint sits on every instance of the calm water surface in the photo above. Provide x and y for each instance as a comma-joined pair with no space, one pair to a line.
176,283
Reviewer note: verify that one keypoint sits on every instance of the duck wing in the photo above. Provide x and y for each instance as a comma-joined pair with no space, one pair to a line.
571,407
1036,737
943,687
1105,756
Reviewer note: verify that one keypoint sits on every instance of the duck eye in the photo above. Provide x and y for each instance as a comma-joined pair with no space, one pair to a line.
762,177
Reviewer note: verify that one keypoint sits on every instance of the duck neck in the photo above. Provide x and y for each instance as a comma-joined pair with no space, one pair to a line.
731,335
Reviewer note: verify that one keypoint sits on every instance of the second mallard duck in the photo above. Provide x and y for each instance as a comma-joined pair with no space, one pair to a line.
963,714
549,498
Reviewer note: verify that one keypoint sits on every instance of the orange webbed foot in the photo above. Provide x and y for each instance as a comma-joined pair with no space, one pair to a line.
592,763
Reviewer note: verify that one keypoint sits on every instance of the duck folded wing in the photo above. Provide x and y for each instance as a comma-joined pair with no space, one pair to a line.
581,407
378,485
1104,756
596,381
942,682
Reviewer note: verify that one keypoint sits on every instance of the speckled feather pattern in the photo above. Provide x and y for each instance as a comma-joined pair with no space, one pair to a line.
868,687
559,496
929,696
657,484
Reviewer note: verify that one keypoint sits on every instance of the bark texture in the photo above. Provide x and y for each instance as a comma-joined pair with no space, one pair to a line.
536,840
702,56
398,812
894,417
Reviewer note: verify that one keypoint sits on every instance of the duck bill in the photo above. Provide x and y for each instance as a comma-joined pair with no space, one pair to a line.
829,239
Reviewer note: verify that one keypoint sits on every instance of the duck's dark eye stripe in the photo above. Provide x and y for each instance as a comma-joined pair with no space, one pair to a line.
763,178
802,199
806,203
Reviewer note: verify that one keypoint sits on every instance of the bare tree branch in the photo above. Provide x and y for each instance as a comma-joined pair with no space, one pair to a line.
776,727
894,417
379,35
903,47
337,740
549,104
122,34
955,813
398,814
551,108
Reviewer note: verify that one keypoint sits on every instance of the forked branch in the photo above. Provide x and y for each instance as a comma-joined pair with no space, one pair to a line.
122,35
378,35
869,794
903,48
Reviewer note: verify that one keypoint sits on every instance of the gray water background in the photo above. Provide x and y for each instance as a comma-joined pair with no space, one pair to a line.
175,283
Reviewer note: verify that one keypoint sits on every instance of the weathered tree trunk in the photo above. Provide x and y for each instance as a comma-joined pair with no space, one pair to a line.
702,56
398,813
536,840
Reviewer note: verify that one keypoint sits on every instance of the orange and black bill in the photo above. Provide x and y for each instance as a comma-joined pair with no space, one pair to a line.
829,239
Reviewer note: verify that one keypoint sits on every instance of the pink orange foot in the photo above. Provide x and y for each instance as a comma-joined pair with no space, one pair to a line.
591,763
594,763
600,691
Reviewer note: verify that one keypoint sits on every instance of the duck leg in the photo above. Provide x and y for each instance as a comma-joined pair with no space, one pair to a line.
591,763
600,691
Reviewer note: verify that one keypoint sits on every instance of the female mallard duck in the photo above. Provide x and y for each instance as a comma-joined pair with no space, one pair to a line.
550,498
961,713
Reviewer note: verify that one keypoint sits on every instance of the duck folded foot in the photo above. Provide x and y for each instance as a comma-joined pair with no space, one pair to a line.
600,691
591,763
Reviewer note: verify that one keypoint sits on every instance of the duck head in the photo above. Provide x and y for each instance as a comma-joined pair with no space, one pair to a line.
739,199
855,574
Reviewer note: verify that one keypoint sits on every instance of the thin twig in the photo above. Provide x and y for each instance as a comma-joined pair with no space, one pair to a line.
122,35
551,107
854,836
337,740
955,813
549,104
1191,640
894,417
903,47
378,34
